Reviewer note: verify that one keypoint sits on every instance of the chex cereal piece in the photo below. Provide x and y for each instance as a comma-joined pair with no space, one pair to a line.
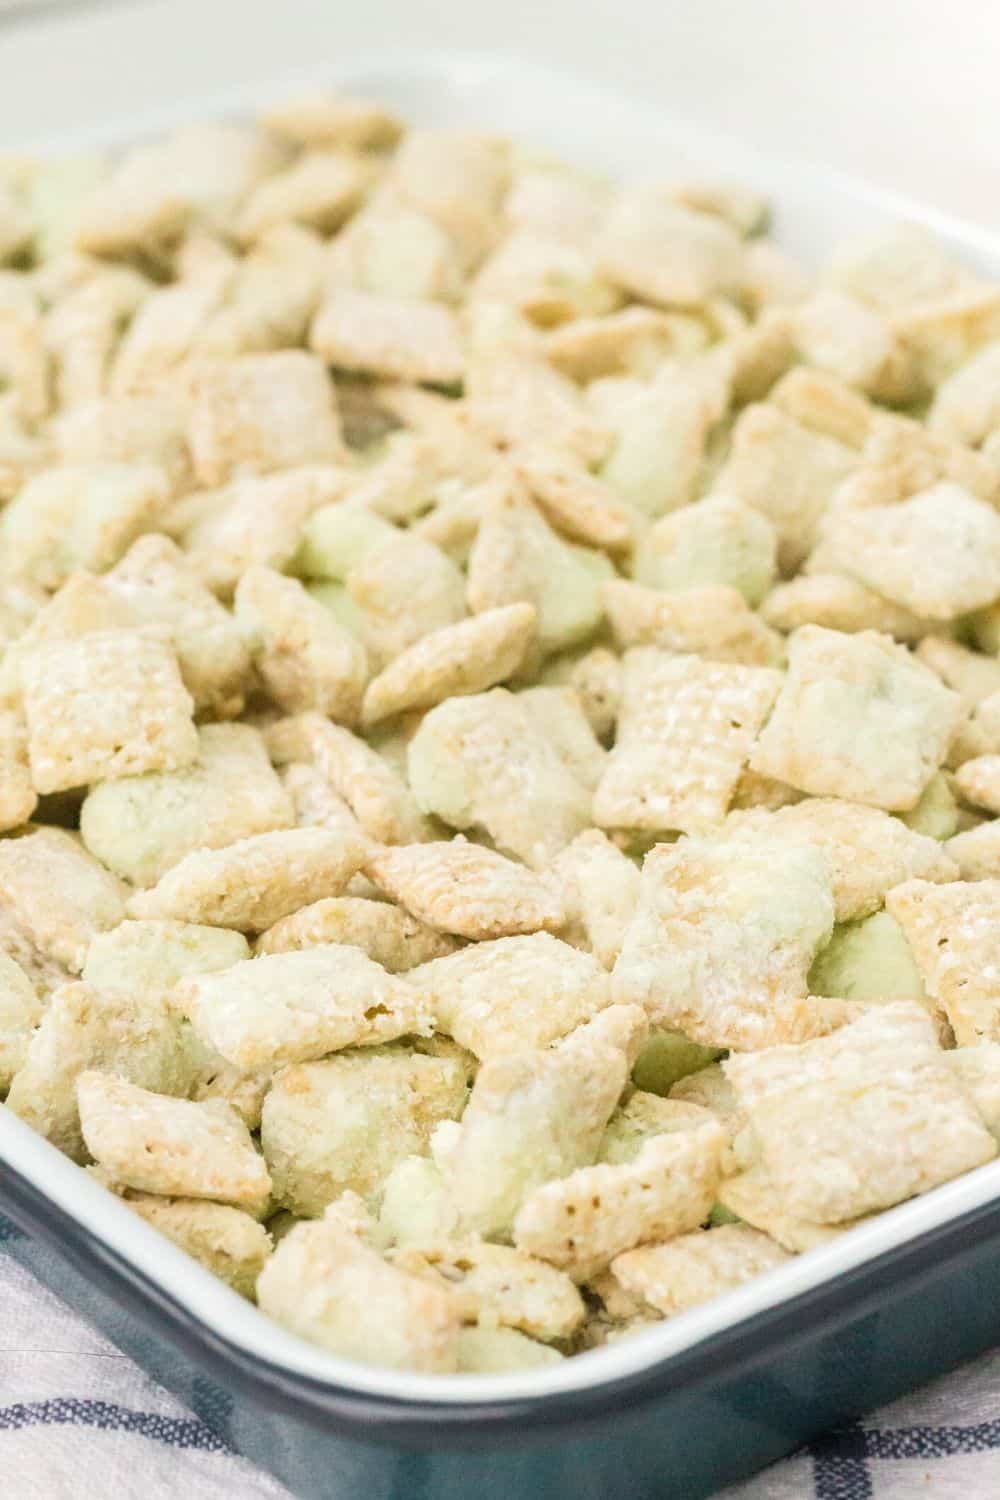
753,1198
110,704
293,1007
642,1117
634,341
134,1036
459,178
468,657
260,521
723,937
869,851
347,1121
416,1204
575,502
128,430
17,794
321,119
944,333
978,1070
937,554
502,996
466,890
843,336
685,730
857,718
837,603
825,404
580,1223
405,588
559,714
905,458
163,334
966,406
971,674
252,883
861,1119
517,401
80,516
978,781
951,930
597,677
20,1011
389,935
396,338
977,851
713,621
319,1277
496,1284
155,583
546,279
517,556
391,249
155,955
59,893
169,1146
869,960
663,253
787,472
713,541
895,267
262,412
658,437
140,826
532,1116
306,659
378,797
481,762
315,801
228,1242
694,1268
320,189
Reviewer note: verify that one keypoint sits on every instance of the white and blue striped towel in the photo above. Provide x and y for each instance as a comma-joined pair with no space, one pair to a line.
79,1419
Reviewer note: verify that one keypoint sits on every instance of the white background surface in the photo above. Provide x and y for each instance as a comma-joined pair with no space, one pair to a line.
902,92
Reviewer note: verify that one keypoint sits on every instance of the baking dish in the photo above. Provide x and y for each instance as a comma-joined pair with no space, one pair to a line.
684,1408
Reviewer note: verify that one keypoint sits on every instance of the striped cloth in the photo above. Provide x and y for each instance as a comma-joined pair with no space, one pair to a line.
79,1419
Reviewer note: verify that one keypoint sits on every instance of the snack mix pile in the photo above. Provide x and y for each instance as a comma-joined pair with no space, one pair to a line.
500,734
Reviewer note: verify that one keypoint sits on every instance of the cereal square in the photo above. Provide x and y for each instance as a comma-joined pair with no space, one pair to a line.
395,338
466,890
389,935
663,253
952,932
694,1268
712,621
497,1284
857,718
58,892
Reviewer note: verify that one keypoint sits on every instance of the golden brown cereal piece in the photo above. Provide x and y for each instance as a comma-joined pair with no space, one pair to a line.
260,520
140,826
172,1147
634,341
405,589
60,895
685,730
694,1268
110,704
945,332
500,997
80,516
904,458
17,795
977,851
532,1116
320,189
951,930
347,1121
517,556
746,211
307,660
227,1241
262,412
869,851
517,401
723,938
496,1284
714,541
971,674
389,935
395,338
128,430
577,504
836,333
861,1119
315,801
155,584
582,1222
379,798
321,119
467,890
837,603
825,404
133,1036
454,521
663,253
857,718
293,1007
786,471
712,621
545,279
481,762
146,957
966,406
937,554
321,1275
252,883
752,1197
978,781
214,1078
20,1011
468,657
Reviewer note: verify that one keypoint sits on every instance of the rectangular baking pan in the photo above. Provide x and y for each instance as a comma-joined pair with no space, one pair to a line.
703,1399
